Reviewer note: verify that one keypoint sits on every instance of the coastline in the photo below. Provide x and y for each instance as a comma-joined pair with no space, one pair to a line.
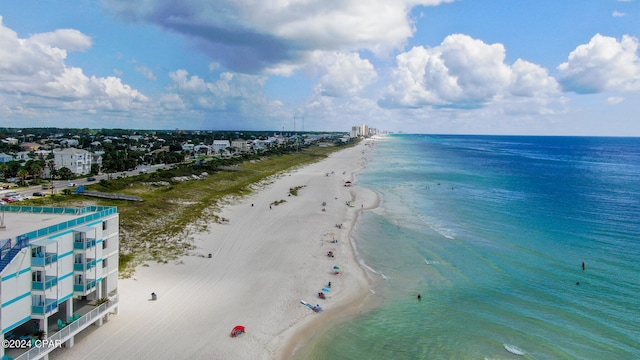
270,255
301,336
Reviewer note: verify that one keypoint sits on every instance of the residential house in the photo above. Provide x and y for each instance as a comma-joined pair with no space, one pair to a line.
218,145
241,145
202,149
4,158
29,146
77,160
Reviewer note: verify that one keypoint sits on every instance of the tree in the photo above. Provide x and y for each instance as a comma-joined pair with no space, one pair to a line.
22,174
65,173
11,168
52,167
35,168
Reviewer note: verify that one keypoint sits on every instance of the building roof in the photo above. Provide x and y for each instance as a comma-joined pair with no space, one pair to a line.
71,151
18,223
20,220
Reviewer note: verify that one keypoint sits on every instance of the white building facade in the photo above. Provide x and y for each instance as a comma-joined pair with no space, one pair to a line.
59,274
76,160
219,146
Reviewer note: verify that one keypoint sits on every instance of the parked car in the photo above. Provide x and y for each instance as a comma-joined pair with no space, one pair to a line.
11,194
9,200
39,193
91,179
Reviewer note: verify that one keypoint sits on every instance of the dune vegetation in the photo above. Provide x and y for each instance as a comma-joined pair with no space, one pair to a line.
180,201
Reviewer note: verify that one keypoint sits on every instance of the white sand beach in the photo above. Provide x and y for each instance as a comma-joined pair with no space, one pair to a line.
264,261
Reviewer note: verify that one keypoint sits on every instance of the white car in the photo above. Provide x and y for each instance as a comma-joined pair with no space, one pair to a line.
72,185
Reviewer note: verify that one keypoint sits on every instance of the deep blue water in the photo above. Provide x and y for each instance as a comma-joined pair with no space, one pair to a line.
492,231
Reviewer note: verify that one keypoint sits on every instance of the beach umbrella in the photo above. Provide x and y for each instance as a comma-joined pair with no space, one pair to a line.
324,289
336,267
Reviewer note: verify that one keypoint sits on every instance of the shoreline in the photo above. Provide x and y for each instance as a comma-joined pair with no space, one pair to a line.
304,333
265,260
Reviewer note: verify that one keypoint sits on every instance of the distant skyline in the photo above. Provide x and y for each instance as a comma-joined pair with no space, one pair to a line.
418,66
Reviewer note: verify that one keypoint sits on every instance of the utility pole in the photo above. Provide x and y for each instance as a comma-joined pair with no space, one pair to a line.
294,122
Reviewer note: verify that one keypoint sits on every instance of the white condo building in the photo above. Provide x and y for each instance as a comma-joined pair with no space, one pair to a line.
59,272
76,160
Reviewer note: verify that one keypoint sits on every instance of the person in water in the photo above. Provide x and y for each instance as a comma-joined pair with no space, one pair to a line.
583,266
419,296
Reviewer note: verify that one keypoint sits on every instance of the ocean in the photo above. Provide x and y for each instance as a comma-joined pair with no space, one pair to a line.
492,231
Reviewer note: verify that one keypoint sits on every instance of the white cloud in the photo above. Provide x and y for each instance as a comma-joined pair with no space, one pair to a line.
69,39
613,100
618,14
146,72
253,35
345,74
531,80
604,64
230,92
33,70
462,72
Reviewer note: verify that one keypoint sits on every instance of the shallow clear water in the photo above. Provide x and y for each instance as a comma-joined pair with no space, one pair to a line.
492,232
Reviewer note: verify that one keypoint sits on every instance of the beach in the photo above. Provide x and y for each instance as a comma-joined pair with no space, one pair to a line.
268,256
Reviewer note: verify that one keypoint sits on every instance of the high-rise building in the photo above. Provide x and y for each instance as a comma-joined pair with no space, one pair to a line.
59,275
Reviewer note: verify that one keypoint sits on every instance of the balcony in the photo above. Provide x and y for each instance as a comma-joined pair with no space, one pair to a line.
90,264
85,287
45,308
83,245
38,352
42,259
50,281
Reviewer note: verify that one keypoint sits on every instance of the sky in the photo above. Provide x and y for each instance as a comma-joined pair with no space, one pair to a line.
504,67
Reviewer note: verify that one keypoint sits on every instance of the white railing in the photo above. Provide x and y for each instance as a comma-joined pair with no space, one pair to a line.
71,330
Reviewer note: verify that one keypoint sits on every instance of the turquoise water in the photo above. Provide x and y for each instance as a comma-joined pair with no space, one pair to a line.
492,231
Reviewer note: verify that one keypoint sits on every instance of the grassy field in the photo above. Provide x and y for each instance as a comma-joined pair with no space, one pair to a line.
160,227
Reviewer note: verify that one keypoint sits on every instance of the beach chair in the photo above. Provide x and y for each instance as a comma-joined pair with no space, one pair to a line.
61,324
9,335
70,320
76,317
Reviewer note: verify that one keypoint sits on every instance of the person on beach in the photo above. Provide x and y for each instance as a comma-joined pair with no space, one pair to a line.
329,284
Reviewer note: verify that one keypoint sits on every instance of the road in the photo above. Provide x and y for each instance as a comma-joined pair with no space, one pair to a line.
59,185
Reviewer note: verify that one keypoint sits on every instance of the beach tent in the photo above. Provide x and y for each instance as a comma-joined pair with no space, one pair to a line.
239,329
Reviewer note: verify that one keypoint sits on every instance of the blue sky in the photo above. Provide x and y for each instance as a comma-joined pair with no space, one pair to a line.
421,66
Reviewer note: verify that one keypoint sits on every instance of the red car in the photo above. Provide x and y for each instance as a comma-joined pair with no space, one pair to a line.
9,200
